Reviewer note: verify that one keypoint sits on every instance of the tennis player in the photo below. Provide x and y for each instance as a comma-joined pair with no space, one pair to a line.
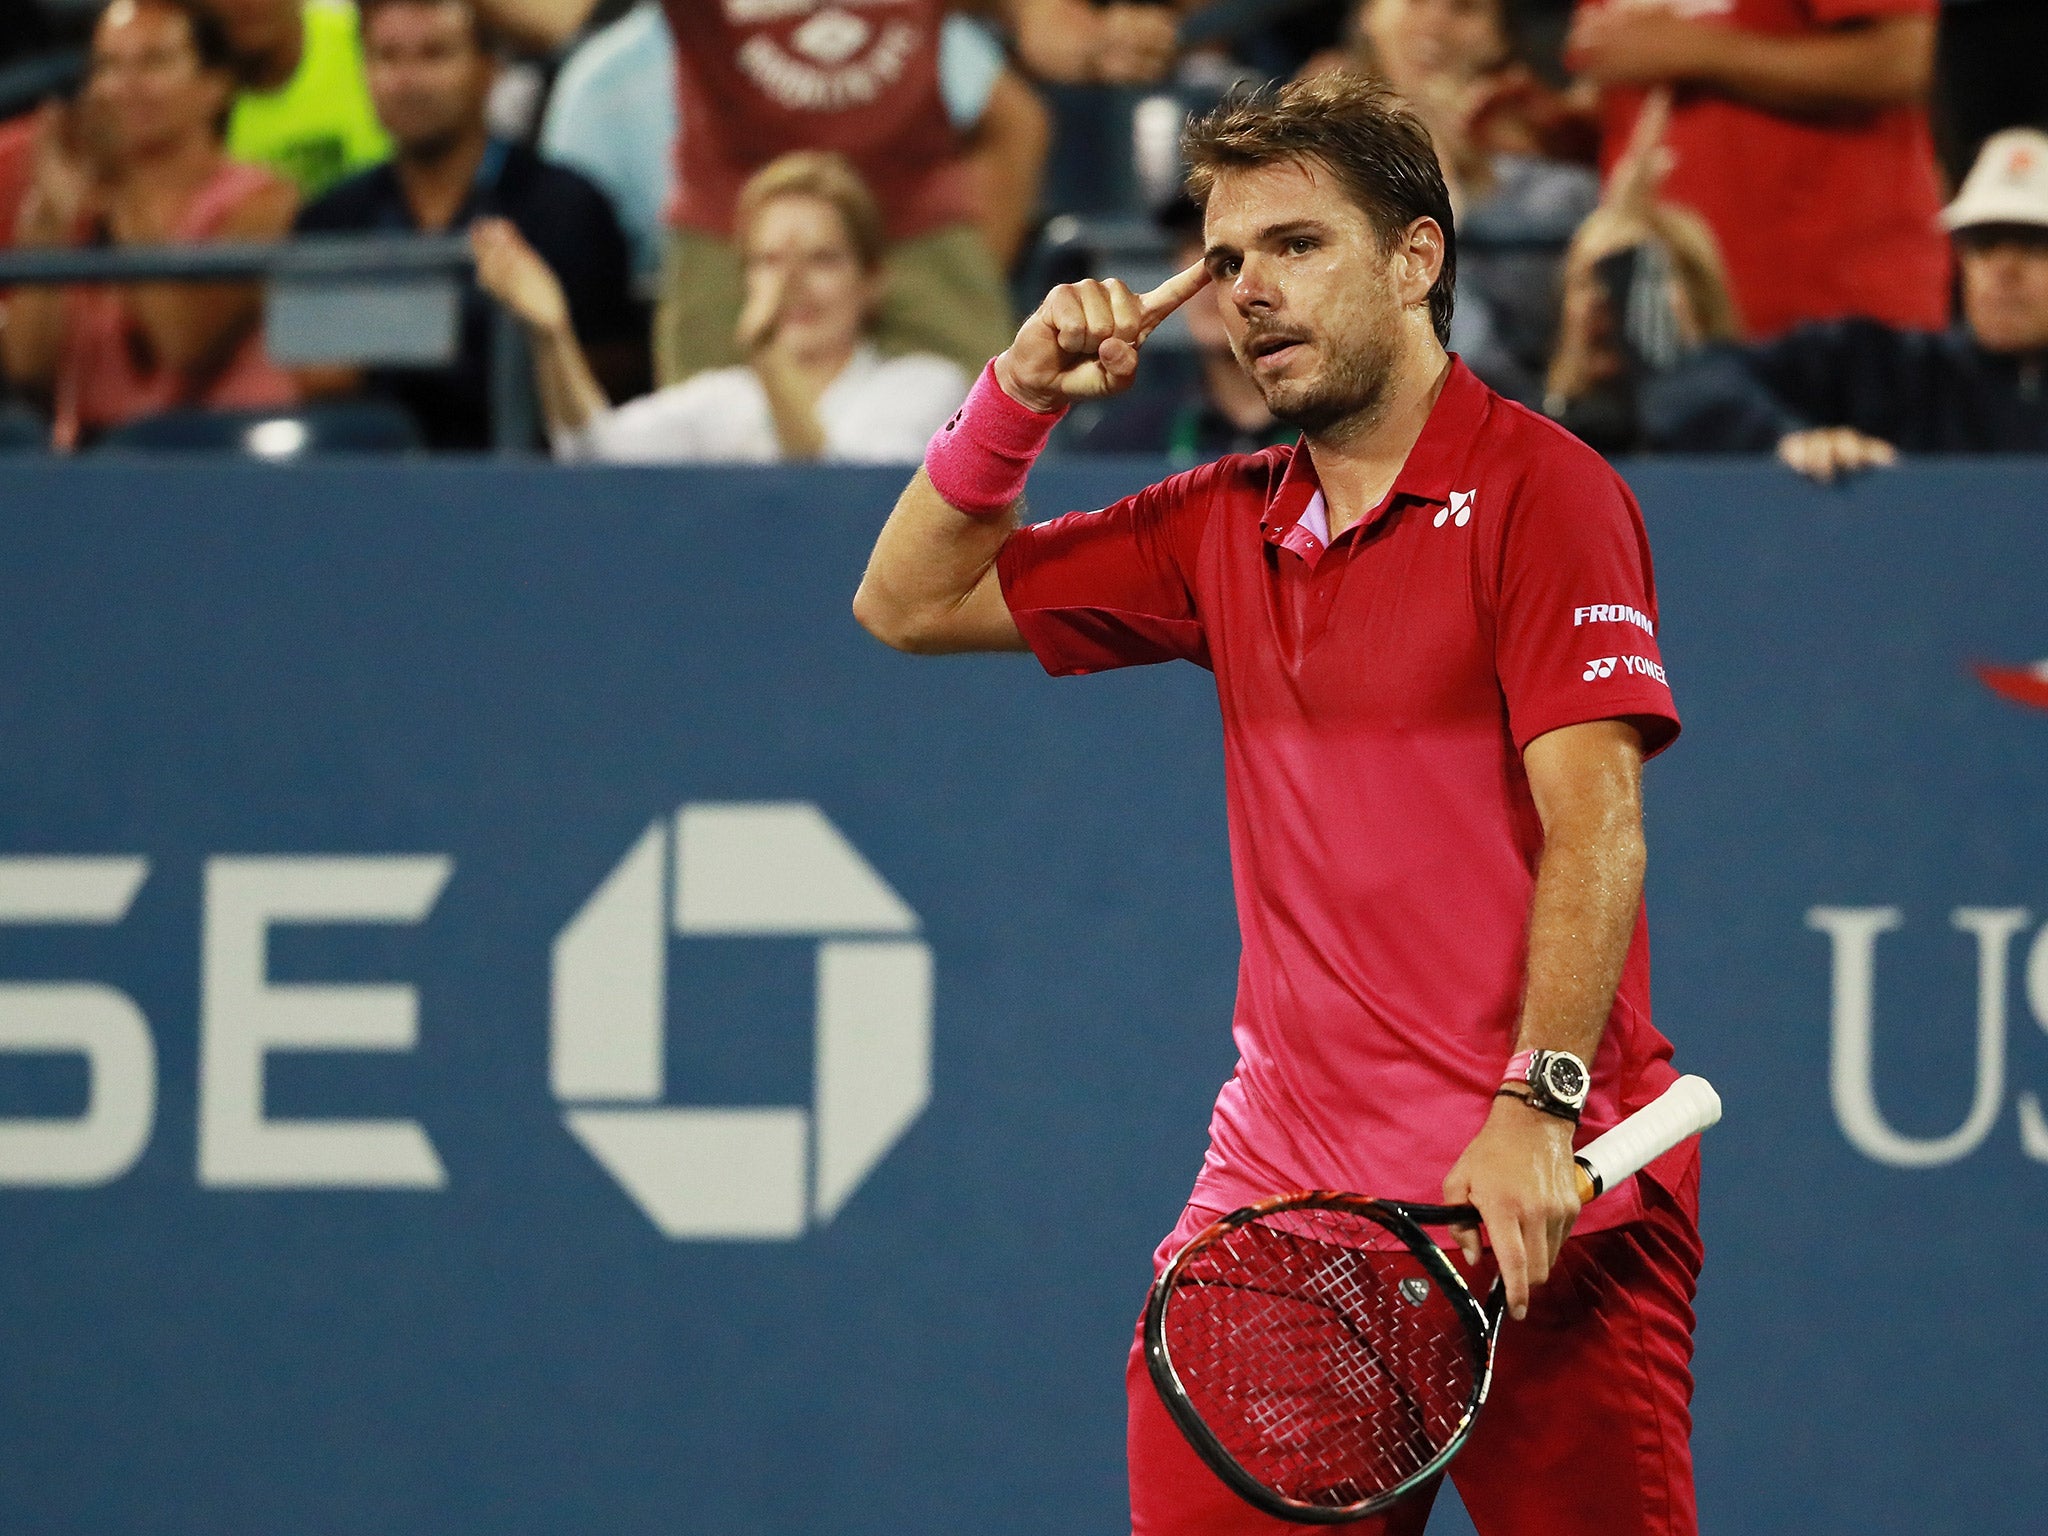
1433,629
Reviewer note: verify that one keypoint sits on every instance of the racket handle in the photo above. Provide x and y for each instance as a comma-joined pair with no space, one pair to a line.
1684,1109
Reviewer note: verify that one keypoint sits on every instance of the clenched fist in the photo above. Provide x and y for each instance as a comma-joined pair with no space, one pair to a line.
1082,342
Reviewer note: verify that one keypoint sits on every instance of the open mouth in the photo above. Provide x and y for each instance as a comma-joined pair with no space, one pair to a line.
1274,351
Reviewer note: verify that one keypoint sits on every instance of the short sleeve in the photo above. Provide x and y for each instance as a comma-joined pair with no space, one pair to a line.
1096,590
1575,635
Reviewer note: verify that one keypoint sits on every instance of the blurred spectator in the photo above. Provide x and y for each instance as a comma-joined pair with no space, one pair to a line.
613,116
813,386
1993,74
1841,396
304,106
1643,286
758,81
139,161
1454,59
1217,411
1801,134
1462,61
430,72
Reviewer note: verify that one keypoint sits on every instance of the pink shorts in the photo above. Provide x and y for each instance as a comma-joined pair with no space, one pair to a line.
1587,1428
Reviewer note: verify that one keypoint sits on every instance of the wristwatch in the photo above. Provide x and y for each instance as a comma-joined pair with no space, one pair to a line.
1558,1081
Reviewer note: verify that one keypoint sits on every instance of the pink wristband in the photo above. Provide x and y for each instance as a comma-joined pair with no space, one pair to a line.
980,459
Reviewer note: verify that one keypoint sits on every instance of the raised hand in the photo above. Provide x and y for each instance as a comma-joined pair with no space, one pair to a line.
1632,185
767,288
517,275
64,184
1082,342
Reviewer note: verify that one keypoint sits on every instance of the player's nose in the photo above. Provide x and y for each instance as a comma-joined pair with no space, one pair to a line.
1254,289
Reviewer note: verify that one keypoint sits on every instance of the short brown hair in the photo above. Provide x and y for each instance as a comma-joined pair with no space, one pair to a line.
1364,134
830,179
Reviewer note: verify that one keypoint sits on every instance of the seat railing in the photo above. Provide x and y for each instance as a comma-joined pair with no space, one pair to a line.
334,300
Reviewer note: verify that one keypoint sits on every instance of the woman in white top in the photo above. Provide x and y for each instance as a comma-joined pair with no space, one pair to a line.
813,388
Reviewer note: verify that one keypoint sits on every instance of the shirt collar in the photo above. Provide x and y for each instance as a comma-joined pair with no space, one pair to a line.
1296,516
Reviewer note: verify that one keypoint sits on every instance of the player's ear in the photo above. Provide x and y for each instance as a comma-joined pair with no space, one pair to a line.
1423,256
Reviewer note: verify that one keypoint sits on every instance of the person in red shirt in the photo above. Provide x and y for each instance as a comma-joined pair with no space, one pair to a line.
758,79
1432,626
1800,132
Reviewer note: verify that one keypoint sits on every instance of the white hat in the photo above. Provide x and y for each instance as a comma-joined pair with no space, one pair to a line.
2007,185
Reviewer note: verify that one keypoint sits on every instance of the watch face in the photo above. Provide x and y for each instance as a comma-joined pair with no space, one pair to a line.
1565,1079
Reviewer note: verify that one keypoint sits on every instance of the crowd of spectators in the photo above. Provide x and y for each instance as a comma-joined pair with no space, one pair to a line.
797,228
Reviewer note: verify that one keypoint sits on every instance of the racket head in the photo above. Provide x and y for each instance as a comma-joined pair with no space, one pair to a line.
1320,1354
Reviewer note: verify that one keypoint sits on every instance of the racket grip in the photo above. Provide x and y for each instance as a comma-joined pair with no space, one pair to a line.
1684,1109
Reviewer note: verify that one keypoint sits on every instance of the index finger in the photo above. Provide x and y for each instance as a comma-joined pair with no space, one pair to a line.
1171,294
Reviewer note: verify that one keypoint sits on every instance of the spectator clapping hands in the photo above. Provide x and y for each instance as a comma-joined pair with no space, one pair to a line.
67,180
513,273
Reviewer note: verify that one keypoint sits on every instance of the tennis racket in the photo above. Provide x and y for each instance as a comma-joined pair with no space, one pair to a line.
1324,1357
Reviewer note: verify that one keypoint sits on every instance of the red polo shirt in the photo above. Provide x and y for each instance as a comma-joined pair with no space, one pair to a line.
1376,694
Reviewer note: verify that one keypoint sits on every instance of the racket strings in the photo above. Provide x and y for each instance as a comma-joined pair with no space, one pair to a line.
1319,1370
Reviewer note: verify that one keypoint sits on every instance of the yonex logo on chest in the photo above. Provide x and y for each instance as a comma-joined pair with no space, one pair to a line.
1458,511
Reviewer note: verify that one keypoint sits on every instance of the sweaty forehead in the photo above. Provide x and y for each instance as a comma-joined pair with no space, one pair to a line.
1244,202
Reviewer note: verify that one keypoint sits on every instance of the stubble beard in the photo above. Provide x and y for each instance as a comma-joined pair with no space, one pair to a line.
1347,389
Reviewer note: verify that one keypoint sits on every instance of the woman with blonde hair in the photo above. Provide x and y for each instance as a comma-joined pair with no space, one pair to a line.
1644,285
813,385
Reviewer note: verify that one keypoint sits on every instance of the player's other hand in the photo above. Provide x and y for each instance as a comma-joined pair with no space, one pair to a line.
1518,1172
1082,342
1824,453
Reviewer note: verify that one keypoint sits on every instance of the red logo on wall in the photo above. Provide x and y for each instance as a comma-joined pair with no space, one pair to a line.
2022,685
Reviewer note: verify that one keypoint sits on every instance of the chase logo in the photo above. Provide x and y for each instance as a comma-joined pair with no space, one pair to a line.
2021,685
736,871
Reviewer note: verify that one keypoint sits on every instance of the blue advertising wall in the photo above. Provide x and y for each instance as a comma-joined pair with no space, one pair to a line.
466,800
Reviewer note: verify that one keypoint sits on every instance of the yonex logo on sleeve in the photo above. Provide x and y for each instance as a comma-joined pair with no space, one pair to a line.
1638,666
1613,613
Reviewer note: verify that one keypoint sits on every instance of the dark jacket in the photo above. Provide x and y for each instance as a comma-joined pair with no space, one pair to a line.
565,217
1921,391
